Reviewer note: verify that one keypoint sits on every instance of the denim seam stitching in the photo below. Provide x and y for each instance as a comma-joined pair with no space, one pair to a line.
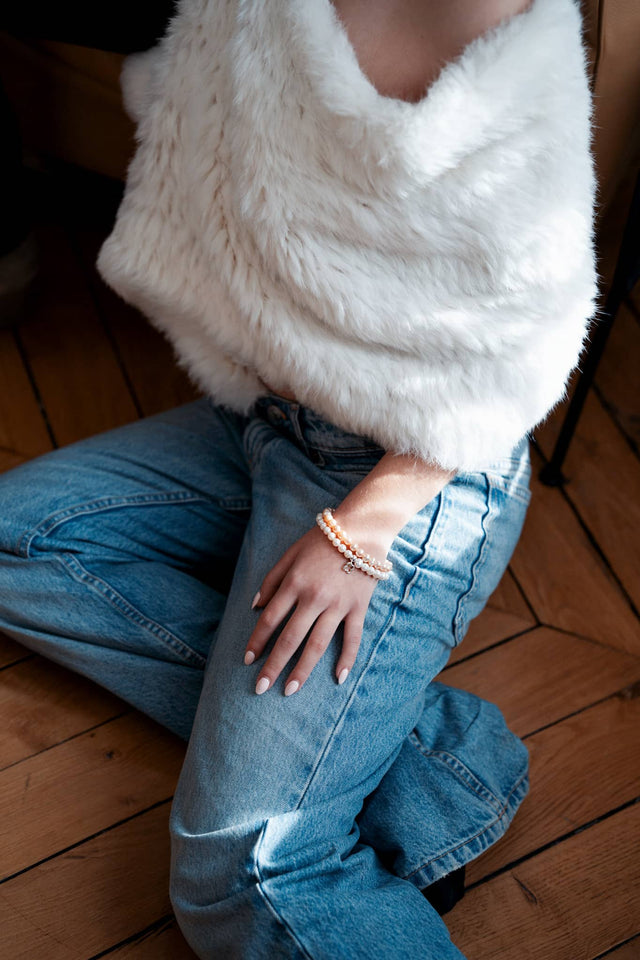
441,509
354,451
477,565
460,770
54,520
500,816
270,905
82,575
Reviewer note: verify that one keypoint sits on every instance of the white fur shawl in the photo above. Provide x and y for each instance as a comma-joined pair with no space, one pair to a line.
423,274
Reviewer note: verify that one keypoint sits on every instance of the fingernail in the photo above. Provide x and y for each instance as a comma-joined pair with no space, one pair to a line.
249,657
256,600
344,673
262,685
291,687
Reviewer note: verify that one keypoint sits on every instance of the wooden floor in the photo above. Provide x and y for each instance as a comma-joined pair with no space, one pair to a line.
86,782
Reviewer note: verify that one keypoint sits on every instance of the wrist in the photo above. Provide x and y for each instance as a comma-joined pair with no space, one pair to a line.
372,531
355,554
398,487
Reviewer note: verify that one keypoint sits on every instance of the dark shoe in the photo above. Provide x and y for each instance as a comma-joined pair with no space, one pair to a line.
446,892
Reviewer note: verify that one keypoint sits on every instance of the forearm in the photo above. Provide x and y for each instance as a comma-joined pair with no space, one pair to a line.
395,490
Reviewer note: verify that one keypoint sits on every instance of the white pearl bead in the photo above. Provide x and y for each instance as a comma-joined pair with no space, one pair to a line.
342,548
348,554
357,563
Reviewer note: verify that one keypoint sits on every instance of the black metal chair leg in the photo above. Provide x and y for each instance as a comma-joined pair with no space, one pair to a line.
626,274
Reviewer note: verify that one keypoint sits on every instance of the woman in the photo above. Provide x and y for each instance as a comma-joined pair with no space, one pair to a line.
381,271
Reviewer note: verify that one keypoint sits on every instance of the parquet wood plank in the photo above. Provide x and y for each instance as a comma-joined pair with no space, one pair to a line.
564,579
77,373
505,615
580,769
42,704
165,943
616,379
62,91
628,951
543,676
157,380
11,652
617,374
553,906
488,628
607,500
23,433
91,897
159,383
508,597
58,798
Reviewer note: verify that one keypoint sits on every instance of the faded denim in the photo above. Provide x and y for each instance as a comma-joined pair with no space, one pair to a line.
301,826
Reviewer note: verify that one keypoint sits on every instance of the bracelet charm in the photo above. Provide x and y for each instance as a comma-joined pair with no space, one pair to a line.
356,558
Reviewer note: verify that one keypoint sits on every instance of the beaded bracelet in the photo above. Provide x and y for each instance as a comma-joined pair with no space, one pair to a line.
356,558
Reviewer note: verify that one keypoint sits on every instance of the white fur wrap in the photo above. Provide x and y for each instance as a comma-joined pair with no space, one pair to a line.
420,273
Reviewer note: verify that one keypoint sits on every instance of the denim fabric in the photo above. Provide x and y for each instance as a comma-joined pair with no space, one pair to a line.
301,826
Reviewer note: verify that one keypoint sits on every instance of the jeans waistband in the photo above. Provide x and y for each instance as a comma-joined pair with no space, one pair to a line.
324,442
319,438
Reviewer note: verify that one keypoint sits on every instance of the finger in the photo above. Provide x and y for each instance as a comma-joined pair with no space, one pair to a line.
270,619
314,649
275,577
286,645
352,637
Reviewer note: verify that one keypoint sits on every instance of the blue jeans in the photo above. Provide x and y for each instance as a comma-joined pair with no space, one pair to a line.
303,826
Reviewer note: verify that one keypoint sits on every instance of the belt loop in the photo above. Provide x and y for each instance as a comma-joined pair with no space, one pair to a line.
297,429
299,426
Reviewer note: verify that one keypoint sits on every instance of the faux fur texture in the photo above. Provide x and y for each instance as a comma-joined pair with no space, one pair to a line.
422,274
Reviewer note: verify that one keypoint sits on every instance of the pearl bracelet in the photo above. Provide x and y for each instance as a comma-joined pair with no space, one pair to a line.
356,558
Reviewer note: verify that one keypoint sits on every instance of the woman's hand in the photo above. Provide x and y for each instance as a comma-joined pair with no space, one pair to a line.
309,580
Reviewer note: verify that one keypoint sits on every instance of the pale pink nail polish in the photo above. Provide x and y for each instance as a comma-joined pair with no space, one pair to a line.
291,687
249,657
262,685
344,673
256,600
